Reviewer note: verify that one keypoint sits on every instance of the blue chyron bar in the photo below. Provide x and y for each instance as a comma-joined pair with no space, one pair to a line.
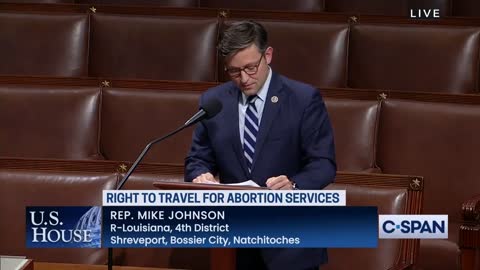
240,226
201,226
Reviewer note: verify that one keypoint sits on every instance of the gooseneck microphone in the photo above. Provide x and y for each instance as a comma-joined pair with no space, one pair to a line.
208,110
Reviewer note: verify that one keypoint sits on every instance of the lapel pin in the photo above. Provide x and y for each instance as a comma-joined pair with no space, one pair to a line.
274,99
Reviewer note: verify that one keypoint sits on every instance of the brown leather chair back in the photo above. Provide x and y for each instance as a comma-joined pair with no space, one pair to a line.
438,140
159,3
49,121
446,161
133,117
388,201
153,47
355,124
44,44
39,1
301,5
21,188
414,58
392,7
463,8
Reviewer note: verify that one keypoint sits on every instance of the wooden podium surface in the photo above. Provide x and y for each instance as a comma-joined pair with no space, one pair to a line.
68,266
220,258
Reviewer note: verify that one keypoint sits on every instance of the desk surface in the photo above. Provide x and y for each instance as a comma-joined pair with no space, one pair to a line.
68,266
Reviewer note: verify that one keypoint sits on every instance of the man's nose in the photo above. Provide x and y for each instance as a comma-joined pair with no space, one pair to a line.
244,76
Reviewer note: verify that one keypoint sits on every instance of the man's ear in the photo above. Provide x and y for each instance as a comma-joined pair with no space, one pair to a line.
269,54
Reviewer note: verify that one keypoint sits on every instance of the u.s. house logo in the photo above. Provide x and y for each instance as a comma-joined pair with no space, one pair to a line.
49,227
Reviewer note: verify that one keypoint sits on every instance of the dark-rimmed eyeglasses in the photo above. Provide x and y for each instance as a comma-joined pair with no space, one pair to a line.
249,69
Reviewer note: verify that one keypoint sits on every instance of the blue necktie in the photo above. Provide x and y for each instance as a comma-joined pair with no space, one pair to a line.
251,131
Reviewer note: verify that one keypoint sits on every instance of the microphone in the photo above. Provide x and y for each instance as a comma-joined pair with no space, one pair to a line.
210,109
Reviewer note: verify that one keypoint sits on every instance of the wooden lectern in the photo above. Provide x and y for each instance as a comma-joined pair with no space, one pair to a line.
220,258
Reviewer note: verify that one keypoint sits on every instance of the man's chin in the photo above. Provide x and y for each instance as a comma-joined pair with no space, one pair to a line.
249,91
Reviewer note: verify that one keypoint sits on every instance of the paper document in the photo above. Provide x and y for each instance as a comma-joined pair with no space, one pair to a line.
249,183
12,262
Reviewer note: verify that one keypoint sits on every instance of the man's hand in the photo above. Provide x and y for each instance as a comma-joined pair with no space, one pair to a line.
206,178
279,182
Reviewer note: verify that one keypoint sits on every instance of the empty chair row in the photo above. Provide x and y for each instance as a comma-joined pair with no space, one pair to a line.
391,7
433,135
325,54
52,186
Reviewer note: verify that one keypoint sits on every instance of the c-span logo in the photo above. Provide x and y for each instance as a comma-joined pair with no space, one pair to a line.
413,226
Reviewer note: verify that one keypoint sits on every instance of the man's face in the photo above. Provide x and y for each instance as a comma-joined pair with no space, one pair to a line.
248,68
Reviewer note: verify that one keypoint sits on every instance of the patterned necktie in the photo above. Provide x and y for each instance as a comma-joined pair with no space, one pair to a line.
251,131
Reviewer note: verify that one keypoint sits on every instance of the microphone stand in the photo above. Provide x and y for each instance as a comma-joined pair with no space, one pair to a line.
144,152
210,110
130,171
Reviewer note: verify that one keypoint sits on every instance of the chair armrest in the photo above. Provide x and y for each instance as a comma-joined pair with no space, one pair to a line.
469,233
471,210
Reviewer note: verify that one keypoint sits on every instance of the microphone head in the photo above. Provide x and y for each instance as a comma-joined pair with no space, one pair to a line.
212,107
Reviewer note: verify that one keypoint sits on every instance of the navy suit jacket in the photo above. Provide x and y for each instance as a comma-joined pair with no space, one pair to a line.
295,139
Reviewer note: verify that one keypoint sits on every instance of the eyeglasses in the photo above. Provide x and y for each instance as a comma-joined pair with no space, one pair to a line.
249,69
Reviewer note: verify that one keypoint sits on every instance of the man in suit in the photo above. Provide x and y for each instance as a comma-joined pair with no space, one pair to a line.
272,130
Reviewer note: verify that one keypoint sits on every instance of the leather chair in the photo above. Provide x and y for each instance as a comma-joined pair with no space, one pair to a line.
463,8
301,6
159,3
153,47
133,117
44,44
414,58
39,1
355,124
388,201
49,121
437,140
21,188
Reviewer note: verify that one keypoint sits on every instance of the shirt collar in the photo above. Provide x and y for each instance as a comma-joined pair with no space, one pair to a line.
262,93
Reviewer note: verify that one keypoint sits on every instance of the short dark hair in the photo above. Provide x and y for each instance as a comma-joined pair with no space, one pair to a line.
240,35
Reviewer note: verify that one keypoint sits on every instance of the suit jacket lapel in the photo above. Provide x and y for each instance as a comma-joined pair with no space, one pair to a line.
270,111
232,126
